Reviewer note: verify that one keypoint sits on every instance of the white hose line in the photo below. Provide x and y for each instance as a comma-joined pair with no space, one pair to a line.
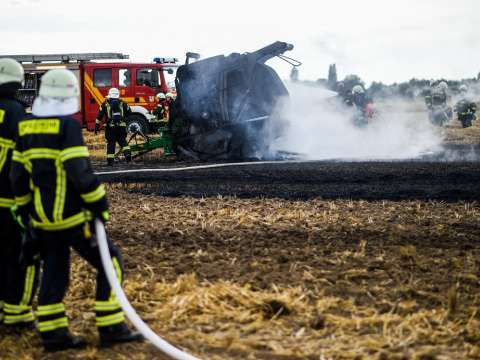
199,167
139,324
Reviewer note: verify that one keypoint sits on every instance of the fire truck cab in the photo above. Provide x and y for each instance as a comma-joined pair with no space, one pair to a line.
138,83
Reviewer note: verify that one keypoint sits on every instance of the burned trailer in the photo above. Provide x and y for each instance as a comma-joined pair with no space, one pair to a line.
227,107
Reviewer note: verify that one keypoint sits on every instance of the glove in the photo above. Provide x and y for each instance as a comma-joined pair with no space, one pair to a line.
21,215
30,253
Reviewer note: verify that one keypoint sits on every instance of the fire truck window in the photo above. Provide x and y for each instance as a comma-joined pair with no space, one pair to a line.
148,77
124,77
102,77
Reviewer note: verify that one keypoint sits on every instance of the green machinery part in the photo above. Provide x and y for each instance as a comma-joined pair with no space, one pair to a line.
140,144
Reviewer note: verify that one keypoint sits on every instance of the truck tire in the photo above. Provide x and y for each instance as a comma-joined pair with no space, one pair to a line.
137,122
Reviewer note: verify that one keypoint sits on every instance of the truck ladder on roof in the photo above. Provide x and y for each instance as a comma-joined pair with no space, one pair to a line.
65,58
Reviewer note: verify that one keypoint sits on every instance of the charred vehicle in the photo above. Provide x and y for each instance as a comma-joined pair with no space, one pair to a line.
227,107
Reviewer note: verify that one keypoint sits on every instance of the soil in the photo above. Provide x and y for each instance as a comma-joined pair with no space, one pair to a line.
282,279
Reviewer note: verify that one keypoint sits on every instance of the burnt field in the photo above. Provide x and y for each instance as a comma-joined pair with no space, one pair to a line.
394,180
282,279
316,260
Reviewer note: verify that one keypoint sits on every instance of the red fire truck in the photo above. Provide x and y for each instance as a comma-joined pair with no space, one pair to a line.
138,82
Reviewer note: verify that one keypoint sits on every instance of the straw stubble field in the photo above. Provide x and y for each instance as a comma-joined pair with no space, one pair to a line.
229,278
279,279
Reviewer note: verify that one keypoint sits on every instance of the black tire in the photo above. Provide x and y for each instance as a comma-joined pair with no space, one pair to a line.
137,122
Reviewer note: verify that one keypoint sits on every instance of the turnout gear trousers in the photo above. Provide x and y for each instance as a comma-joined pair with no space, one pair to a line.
115,111
17,282
55,253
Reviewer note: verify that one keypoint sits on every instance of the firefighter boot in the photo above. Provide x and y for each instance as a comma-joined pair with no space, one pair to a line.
128,157
110,161
117,334
61,339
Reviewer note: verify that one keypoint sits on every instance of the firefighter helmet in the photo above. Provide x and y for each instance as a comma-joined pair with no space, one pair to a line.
10,71
169,95
59,83
113,93
161,96
463,88
443,85
358,89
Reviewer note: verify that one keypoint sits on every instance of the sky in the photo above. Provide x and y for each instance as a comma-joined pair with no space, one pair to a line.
380,40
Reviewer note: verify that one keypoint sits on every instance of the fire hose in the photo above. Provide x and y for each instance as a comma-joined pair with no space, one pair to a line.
130,312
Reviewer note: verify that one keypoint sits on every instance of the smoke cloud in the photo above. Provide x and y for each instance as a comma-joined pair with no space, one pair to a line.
319,129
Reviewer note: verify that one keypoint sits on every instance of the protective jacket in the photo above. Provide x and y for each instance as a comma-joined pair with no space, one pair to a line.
11,111
51,167
115,111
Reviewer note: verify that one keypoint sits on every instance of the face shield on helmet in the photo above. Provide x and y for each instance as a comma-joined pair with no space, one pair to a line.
113,93
358,89
58,95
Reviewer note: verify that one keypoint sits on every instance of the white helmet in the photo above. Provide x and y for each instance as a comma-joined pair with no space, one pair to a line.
169,95
11,71
443,85
59,83
358,89
161,96
113,93
463,88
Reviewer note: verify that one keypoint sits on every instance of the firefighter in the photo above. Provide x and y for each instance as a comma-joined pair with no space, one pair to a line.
162,110
465,108
51,169
440,94
17,280
427,96
115,111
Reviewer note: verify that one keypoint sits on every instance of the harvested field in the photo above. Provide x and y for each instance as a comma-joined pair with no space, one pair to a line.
283,279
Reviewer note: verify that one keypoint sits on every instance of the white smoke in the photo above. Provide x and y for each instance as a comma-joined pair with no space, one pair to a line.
319,129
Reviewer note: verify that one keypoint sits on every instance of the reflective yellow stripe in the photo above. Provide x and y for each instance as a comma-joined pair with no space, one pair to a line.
119,273
44,310
94,195
64,224
2,115
60,192
23,200
28,287
8,143
74,152
110,319
126,148
37,201
6,203
106,305
18,157
41,154
37,126
15,319
15,309
53,324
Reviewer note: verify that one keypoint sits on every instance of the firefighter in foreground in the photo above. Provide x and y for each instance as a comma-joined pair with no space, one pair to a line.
465,108
115,111
17,279
51,168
